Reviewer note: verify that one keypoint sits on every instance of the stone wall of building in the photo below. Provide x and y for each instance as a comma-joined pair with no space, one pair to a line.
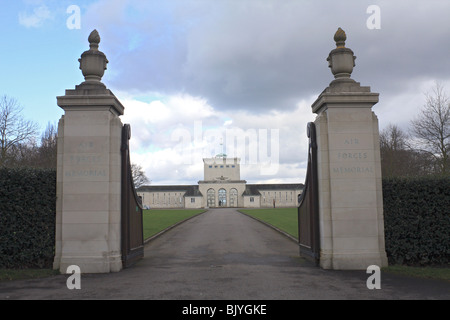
193,202
162,199
252,201
283,198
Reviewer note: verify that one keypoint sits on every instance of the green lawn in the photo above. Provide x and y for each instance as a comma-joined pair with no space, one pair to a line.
20,274
282,218
440,273
156,220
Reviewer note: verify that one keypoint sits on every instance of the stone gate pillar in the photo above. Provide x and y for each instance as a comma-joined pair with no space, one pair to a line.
349,170
88,172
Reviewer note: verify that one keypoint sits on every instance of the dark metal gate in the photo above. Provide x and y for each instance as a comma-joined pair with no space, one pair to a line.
308,209
132,231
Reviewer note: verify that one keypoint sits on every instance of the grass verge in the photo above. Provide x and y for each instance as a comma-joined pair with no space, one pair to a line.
22,274
156,220
282,218
438,273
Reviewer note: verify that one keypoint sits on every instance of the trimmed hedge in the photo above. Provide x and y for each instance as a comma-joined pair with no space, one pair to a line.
417,220
27,218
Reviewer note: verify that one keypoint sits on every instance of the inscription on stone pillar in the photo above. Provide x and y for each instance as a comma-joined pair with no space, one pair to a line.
355,159
87,159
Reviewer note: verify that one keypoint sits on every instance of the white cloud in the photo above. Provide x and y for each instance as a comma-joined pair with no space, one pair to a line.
36,19
155,124
404,106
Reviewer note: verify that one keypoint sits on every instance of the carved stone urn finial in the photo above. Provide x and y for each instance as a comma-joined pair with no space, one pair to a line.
93,62
94,40
340,38
341,60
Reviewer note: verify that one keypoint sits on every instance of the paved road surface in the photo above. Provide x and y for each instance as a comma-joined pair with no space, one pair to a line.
224,255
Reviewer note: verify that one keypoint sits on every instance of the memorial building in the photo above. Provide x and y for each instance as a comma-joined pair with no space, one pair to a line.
222,187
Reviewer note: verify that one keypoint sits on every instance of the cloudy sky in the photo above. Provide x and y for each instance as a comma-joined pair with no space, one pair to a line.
191,73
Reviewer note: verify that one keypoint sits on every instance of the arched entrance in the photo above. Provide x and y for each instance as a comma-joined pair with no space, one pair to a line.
233,197
222,198
211,198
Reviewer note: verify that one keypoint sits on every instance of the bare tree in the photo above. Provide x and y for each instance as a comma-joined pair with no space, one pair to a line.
393,138
47,149
14,129
431,129
398,159
139,177
392,149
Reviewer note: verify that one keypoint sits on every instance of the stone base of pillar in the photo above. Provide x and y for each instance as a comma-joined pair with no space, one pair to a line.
352,261
94,264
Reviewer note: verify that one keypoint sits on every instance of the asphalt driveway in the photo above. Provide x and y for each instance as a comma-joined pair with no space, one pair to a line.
225,255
